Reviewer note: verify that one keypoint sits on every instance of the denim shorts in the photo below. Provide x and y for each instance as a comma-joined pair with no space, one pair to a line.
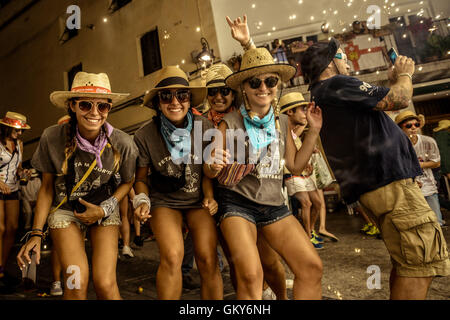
232,204
63,218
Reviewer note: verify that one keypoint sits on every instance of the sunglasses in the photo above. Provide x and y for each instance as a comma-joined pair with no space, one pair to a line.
270,82
409,125
224,91
86,106
166,96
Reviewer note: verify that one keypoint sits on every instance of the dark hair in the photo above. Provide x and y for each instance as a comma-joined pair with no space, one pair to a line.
5,132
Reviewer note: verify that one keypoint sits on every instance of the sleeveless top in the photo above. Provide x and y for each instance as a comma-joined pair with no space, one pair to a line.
9,163
264,184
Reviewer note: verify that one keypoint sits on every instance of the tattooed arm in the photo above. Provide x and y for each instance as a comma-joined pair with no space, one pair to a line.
401,91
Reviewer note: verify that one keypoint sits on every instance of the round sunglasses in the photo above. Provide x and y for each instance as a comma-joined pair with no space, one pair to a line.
270,82
409,125
86,106
224,91
166,96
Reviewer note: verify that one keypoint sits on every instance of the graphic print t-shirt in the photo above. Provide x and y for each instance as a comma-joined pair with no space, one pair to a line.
49,157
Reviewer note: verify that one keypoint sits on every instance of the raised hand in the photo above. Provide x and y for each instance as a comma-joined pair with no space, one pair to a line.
314,116
239,29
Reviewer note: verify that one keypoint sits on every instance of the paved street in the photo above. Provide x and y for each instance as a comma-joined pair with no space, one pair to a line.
345,268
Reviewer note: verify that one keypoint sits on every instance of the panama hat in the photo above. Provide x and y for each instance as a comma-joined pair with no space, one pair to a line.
317,58
88,85
63,119
15,120
172,77
408,115
292,100
257,61
216,75
443,124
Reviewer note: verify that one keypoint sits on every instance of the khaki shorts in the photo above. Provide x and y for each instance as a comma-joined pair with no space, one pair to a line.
63,218
409,229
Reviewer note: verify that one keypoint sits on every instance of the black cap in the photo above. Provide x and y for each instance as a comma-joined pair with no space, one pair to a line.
317,58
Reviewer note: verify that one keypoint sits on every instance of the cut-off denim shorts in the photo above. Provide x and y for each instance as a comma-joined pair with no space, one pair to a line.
63,218
232,204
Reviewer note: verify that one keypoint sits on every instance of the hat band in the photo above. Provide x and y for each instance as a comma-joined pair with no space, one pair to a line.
292,103
14,122
215,81
91,89
172,81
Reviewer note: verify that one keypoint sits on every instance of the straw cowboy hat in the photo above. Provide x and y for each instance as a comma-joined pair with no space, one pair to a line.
443,124
258,61
172,77
63,119
216,75
408,115
15,120
292,100
89,85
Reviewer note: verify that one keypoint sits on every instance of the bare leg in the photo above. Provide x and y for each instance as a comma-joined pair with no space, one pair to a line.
69,245
104,261
11,225
240,236
407,288
166,225
274,272
303,198
56,265
204,236
289,239
125,227
323,215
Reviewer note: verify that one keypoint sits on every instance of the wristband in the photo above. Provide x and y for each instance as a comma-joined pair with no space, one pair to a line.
140,199
248,44
36,235
405,74
109,205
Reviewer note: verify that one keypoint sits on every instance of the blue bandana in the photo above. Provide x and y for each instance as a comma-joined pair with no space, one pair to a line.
261,132
178,140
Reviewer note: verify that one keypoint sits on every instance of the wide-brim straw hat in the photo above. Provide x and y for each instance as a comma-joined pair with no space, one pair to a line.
216,75
87,85
172,77
258,61
15,120
292,100
443,124
408,115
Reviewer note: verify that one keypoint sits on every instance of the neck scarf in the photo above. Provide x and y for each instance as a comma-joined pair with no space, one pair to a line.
99,143
178,140
216,117
261,132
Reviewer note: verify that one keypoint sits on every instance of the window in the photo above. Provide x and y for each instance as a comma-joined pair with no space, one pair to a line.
71,74
117,4
151,56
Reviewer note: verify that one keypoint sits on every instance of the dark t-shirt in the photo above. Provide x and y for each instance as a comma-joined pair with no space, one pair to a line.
365,148
153,152
49,157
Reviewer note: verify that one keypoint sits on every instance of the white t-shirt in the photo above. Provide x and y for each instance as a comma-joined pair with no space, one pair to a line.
427,150
9,164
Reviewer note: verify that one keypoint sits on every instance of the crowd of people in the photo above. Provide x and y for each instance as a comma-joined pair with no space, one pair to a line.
221,175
